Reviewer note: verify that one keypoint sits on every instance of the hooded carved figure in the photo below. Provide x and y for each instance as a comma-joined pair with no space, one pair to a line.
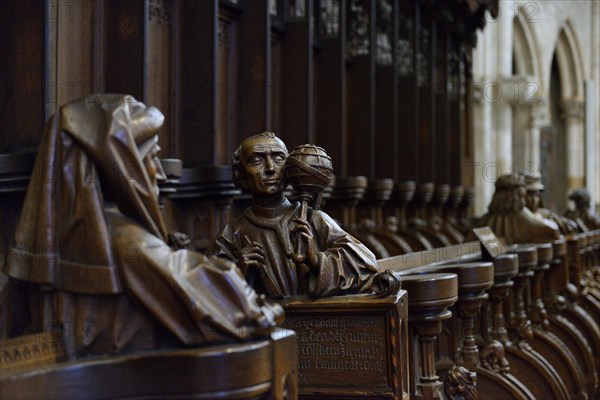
508,217
91,243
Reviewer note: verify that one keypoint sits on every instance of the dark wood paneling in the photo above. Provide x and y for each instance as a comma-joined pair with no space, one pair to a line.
227,137
425,78
198,81
441,110
330,86
124,68
407,110
360,156
254,68
297,80
455,112
23,85
386,100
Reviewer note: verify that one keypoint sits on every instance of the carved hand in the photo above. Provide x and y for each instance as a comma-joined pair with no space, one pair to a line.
251,256
311,250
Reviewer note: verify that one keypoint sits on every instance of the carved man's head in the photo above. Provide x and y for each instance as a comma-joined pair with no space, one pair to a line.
534,186
582,198
258,165
509,195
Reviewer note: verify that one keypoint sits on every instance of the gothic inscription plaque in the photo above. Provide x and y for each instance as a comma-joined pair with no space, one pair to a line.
332,345
350,346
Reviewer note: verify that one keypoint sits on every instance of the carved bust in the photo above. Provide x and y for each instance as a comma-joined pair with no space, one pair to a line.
508,217
263,241
583,214
91,246
534,186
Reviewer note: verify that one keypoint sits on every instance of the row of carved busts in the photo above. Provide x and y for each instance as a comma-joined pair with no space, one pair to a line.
94,256
517,215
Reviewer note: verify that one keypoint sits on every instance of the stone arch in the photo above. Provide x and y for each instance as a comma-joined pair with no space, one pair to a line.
566,120
570,64
525,49
527,107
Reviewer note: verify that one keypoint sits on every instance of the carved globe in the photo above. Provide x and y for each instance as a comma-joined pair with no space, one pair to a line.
309,168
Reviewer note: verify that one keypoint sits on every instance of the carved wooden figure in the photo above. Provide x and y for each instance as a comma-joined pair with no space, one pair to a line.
263,241
534,186
583,214
510,220
91,248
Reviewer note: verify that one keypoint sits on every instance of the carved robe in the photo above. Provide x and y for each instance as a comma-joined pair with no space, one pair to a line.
91,244
345,265
519,227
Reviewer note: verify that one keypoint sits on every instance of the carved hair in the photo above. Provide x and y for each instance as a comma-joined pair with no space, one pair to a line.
581,197
509,196
235,160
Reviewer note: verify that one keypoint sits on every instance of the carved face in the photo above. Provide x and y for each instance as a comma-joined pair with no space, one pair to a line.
154,168
262,161
532,200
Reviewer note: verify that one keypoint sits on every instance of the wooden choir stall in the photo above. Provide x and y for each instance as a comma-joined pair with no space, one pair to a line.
428,302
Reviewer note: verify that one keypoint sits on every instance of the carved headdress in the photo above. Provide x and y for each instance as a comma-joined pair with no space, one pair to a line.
91,237
89,145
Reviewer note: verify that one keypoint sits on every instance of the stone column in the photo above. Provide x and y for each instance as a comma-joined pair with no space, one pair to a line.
536,119
502,106
573,119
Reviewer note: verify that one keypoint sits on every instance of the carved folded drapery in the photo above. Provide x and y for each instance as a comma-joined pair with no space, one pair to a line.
91,243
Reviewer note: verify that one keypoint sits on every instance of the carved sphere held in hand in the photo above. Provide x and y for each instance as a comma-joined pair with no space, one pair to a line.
308,168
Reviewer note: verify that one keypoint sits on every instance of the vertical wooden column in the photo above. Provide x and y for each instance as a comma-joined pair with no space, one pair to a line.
432,295
360,157
24,86
474,279
386,100
425,80
228,135
466,115
407,110
456,123
124,59
440,113
297,78
158,66
330,82
254,35
71,28
196,81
